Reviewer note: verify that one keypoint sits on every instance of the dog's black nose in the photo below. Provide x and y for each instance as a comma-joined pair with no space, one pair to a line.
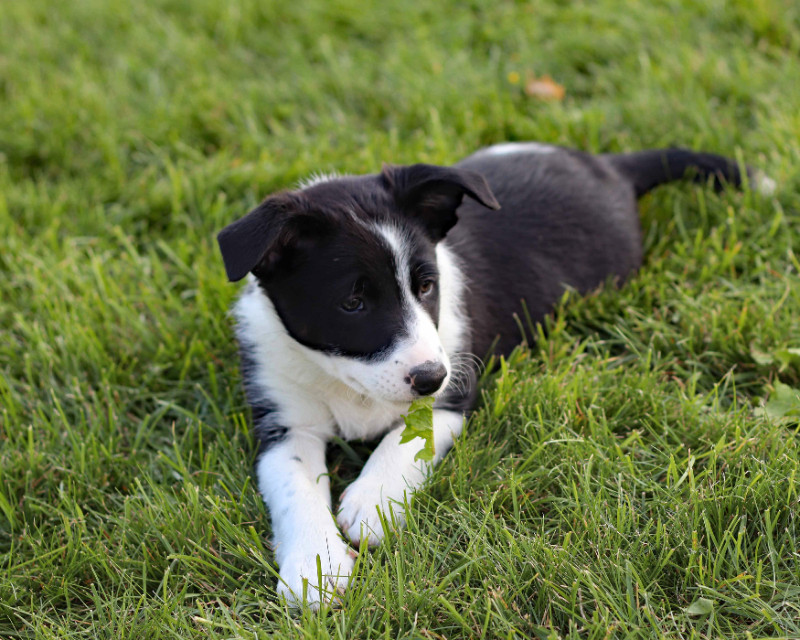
427,377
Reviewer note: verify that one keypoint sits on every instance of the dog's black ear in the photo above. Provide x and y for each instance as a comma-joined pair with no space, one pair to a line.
432,193
259,239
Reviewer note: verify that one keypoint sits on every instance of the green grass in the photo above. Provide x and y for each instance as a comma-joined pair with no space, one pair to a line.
621,479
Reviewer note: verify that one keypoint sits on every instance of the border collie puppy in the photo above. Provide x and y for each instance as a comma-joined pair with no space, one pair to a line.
366,292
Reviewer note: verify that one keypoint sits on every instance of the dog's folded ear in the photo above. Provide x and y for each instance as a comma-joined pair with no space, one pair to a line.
259,239
432,193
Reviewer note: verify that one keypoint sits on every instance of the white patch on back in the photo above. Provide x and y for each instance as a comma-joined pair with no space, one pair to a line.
317,178
508,148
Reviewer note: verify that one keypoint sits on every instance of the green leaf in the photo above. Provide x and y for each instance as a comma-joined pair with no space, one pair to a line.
761,357
783,402
700,607
784,357
419,424
789,357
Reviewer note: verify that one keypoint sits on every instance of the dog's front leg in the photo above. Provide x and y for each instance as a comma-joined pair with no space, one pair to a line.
293,480
390,473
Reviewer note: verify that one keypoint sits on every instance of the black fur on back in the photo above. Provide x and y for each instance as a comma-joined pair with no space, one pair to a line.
567,219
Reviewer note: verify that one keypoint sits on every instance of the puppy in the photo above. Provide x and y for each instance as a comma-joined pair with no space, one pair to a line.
366,292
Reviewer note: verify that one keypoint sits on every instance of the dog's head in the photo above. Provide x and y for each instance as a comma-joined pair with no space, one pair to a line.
350,267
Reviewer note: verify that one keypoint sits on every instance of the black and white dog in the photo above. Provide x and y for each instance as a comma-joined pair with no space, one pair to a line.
369,291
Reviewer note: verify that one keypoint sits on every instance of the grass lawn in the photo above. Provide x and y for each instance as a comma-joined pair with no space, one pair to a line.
635,474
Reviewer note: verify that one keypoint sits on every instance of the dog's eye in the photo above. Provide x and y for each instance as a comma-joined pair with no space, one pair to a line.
353,304
426,287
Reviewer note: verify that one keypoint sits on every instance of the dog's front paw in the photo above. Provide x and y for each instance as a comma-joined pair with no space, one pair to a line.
300,582
358,512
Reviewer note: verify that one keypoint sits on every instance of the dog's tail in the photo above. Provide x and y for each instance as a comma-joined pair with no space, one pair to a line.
649,169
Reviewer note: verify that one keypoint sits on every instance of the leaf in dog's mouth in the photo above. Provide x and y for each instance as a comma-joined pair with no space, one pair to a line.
419,424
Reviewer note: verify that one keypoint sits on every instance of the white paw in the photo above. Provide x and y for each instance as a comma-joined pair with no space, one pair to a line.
358,512
300,578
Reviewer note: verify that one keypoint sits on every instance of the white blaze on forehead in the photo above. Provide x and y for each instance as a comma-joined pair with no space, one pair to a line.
508,148
423,343
401,253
